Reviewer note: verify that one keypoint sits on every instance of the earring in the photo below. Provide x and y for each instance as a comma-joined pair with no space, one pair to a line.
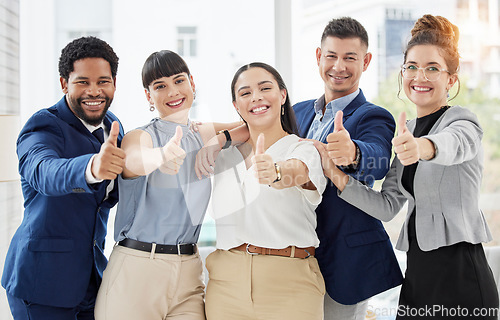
283,110
151,107
194,95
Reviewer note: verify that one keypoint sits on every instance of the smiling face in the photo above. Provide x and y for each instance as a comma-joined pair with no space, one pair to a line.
427,95
173,96
90,89
341,63
258,99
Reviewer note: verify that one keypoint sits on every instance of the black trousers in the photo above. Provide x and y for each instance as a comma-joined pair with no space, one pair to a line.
452,282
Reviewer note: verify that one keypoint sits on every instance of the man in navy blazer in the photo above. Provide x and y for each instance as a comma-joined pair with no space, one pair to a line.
55,260
355,253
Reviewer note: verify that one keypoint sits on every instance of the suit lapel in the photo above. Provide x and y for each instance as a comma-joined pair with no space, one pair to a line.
307,120
353,106
70,118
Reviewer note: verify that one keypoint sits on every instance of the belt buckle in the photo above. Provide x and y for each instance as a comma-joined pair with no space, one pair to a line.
252,253
308,254
178,249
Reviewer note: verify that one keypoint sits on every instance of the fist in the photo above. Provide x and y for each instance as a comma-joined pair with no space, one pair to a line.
341,149
110,160
173,154
265,171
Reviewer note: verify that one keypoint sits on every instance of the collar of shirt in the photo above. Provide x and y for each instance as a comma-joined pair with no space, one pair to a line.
91,128
334,105
323,122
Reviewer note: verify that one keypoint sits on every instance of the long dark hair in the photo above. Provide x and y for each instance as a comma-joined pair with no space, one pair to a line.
164,63
288,122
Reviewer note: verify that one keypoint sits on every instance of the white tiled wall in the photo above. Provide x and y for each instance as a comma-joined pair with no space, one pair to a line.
10,192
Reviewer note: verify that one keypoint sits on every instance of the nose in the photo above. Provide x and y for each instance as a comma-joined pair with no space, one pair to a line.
173,91
420,75
339,65
94,90
256,95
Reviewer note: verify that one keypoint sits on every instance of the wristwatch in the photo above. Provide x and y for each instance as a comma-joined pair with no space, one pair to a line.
278,172
228,138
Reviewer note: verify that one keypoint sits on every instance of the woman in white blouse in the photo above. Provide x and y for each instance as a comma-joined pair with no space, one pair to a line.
264,197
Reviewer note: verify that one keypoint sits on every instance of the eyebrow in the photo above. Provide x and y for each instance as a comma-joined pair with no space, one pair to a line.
86,78
260,83
158,82
428,63
347,53
175,77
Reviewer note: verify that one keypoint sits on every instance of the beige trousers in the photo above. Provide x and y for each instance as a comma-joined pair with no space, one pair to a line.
138,285
244,286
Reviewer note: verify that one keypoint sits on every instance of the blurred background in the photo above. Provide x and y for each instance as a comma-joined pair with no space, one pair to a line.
216,37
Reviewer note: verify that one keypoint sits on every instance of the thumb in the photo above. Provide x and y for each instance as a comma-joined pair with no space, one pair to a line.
178,136
337,122
259,146
402,123
113,134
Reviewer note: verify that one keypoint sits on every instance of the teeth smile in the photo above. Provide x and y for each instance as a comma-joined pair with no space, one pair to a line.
173,104
258,109
421,89
92,103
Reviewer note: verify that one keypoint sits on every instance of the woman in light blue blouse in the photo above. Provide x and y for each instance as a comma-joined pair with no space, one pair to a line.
155,271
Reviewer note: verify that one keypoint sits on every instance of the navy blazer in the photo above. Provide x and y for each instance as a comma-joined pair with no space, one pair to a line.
61,237
355,253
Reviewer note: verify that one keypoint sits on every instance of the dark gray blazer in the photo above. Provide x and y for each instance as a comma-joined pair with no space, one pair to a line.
446,188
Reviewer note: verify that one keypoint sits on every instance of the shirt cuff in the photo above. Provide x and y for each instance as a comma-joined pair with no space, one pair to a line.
89,177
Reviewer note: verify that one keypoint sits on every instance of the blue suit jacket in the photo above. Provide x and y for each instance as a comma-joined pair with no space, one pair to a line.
61,238
355,253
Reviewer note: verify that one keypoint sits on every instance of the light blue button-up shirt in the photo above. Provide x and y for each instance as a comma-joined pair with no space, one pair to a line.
322,124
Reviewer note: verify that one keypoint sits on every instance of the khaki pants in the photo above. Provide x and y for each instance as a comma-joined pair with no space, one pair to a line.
138,285
244,286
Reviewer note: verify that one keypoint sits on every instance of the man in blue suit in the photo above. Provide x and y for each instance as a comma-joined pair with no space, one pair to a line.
55,261
355,254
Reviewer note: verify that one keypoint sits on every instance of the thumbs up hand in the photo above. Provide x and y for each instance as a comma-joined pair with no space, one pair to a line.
110,160
173,154
405,144
265,172
341,149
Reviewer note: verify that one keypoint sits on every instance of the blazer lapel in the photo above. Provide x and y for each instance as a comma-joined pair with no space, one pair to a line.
69,117
353,106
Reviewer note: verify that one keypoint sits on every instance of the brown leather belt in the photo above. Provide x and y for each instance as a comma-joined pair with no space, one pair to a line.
291,251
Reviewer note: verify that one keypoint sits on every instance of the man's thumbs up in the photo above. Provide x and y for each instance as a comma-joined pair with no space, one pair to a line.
110,160
341,149
113,134
337,122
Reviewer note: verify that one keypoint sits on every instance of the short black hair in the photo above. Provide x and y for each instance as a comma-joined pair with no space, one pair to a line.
288,121
164,63
344,28
86,47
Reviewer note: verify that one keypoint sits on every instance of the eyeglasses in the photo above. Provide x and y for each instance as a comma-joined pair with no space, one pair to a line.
431,73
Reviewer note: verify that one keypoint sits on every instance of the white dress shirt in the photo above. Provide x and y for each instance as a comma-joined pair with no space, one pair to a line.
248,212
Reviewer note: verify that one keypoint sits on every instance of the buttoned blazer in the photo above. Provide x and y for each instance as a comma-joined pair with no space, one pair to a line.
61,237
355,253
446,188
